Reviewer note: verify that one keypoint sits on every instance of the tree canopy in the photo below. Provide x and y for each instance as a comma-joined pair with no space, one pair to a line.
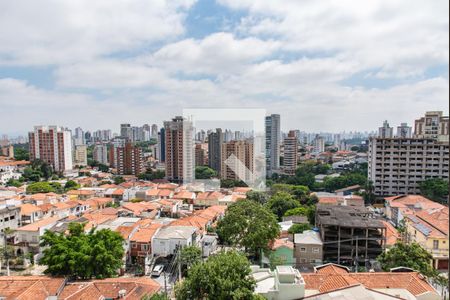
71,185
152,175
82,255
257,196
281,202
412,256
249,225
299,228
190,255
44,187
204,172
223,276
435,189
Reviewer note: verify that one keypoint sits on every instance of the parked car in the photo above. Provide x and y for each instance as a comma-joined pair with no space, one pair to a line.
157,270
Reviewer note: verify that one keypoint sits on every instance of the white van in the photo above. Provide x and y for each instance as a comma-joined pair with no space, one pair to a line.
157,270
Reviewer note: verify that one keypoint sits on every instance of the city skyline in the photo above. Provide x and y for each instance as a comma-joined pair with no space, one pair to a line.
362,64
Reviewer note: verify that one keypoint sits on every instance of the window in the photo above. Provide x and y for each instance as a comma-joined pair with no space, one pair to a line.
302,260
144,247
302,249
315,250
133,245
435,244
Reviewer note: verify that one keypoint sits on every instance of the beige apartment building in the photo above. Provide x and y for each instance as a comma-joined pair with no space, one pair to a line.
290,153
398,165
242,168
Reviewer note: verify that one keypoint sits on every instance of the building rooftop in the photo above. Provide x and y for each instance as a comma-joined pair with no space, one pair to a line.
309,237
346,216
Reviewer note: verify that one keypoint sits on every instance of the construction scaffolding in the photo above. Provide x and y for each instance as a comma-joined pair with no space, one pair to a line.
350,234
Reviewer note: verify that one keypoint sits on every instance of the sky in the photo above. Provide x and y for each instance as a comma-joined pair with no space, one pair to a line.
322,65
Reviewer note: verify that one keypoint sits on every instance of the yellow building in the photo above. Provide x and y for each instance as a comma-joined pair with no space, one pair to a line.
429,228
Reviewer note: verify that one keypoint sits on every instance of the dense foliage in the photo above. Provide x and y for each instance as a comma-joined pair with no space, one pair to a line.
230,183
204,172
21,153
71,185
249,225
152,175
435,189
223,276
82,255
299,228
44,187
412,256
190,255
281,202
257,196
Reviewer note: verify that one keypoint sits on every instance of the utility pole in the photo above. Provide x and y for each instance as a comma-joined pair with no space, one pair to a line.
357,265
165,283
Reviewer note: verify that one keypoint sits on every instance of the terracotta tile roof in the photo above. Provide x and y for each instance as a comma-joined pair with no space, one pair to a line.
139,207
46,207
125,231
411,201
210,195
167,186
108,186
135,289
242,190
96,219
165,193
412,281
27,209
41,223
81,192
332,269
152,192
61,206
184,195
118,192
392,235
278,243
109,211
434,220
144,235
29,287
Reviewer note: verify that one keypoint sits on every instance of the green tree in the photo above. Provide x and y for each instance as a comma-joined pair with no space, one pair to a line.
257,196
334,183
282,202
412,256
21,154
118,180
249,225
71,185
152,175
299,228
156,296
40,187
14,182
230,183
223,276
82,255
204,172
190,255
57,187
435,189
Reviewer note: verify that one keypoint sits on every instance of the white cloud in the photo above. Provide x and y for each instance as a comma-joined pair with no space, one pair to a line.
57,31
402,38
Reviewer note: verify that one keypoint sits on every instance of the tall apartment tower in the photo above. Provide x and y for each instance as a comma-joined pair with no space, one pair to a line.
290,153
319,144
79,137
243,167
154,131
80,155
215,141
404,131
385,131
53,145
130,160
273,143
126,131
161,146
179,150
100,153
200,155
433,125
398,165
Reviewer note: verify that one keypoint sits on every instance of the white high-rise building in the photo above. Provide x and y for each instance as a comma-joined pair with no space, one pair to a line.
319,144
273,143
53,145
385,131
100,153
78,137
404,131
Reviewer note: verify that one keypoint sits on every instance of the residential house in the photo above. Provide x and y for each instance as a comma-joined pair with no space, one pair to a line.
141,243
206,199
81,194
308,248
281,252
9,218
30,213
397,207
27,238
429,228
168,239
